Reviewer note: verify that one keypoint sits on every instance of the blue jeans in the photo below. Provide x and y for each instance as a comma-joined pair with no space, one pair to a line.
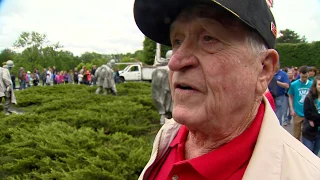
22,84
281,108
314,146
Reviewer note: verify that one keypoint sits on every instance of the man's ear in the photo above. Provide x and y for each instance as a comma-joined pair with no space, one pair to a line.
269,62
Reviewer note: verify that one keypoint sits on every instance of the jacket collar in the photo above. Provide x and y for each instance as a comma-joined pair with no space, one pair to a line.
267,155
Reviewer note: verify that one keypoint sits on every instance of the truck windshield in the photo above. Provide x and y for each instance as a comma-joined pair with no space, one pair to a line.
125,69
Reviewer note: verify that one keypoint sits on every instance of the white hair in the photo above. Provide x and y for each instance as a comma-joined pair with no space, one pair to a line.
255,43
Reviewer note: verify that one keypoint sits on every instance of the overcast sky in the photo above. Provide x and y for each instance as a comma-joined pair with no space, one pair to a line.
107,26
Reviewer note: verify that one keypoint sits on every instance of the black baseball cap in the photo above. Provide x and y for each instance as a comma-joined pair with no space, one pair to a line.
154,17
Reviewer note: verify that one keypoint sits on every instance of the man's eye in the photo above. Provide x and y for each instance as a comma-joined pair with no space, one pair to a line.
208,39
177,42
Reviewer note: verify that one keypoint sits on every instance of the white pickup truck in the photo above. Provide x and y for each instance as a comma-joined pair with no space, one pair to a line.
136,72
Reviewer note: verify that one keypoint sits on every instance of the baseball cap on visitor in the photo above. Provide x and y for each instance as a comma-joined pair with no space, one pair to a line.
154,17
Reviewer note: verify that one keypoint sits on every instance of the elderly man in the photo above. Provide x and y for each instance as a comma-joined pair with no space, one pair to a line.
222,127
6,88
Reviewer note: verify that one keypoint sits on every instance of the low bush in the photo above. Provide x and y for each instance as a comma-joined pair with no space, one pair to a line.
69,132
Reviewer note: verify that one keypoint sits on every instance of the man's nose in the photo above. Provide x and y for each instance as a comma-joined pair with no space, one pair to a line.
183,58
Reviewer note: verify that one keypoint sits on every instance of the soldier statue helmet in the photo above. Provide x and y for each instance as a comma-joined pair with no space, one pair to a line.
168,54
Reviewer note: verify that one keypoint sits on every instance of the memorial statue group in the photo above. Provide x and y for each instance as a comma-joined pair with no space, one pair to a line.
105,82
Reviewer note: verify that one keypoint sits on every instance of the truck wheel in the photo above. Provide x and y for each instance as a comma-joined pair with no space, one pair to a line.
121,79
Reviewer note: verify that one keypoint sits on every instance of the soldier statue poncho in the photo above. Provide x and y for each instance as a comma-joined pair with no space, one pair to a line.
161,94
6,88
105,80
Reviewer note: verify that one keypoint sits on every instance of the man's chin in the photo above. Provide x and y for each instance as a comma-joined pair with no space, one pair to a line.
184,116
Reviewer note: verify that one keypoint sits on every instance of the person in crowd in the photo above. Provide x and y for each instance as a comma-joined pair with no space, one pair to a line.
43,76
291,79
60,77
117,75
93,78
56,78
311,124
82,74
281,99
19,72
54,70
22,79
223,126
75,75
312,73
35,79
70,76
290,75
297,93
28,79
48,79
66,77
54,74
13,79
86,77
295,73
36,70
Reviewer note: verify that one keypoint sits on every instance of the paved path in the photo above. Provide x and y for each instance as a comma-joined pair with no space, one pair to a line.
289,128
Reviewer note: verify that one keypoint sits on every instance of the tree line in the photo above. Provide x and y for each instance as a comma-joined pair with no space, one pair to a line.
39,52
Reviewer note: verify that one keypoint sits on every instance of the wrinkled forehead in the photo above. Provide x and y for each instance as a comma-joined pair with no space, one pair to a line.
208,12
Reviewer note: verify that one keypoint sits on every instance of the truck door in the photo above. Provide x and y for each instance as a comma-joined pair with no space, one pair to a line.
135,73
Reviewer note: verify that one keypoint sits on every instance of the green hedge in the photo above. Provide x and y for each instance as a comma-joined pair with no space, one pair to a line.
299,54
69,132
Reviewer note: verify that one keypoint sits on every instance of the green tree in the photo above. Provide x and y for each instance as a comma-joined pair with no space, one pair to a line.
32,43
37,52
289,36
149,50
6,54
90,56
293,54
138,55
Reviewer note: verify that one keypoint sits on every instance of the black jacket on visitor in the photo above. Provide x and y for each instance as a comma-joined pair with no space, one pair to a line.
310,114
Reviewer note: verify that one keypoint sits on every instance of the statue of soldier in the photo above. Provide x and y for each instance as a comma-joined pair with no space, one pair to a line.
161,89
105,80
6,89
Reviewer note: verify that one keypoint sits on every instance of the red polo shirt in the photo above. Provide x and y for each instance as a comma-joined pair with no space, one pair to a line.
227,162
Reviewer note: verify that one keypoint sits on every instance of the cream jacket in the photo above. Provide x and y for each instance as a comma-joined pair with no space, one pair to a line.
277,154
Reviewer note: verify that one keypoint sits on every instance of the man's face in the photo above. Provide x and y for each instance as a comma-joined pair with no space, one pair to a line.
212,72
304,77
